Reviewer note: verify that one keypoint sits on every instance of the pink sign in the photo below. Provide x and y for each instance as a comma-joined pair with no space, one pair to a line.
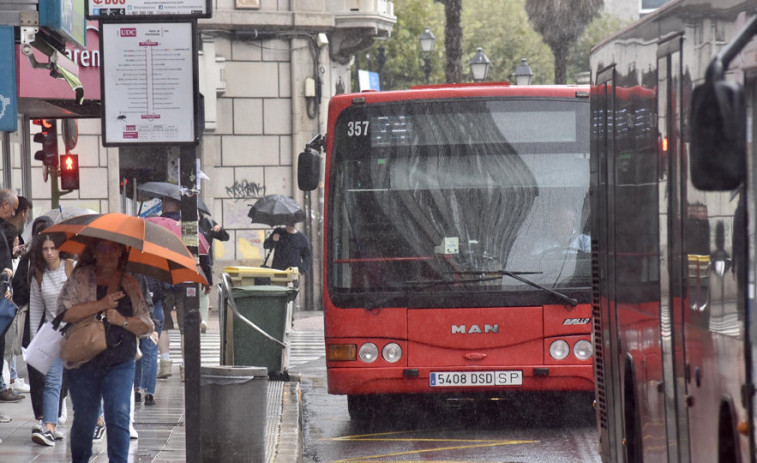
37,83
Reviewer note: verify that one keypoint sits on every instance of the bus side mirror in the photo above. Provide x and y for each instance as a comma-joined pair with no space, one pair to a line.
718,135
308,170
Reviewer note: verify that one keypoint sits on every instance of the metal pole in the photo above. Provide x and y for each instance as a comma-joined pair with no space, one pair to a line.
309,288
191,299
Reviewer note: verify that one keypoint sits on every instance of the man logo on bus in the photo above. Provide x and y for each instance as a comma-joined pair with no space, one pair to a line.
474,329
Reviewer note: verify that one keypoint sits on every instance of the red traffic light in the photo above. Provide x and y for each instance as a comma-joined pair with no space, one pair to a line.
69,172
48,138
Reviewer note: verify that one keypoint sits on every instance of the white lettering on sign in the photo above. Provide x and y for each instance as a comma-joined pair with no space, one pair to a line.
84,58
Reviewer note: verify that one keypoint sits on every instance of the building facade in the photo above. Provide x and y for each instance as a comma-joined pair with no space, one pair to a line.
266,71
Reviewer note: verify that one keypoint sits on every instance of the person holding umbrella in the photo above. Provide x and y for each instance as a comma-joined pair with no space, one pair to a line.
100,285
290,248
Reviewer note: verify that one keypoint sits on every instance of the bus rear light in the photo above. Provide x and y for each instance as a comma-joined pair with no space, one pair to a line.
368,352
392,352
559,349
583,350
341,352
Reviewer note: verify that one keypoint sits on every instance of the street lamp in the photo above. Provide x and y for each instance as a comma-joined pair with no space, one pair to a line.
479,65
523,73
427,46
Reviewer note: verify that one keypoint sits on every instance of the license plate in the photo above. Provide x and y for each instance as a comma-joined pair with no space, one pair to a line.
476,378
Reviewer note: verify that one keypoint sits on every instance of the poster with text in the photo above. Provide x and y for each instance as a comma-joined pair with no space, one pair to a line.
148,83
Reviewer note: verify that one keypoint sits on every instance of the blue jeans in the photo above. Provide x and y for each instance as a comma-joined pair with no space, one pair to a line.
87,384
51,394
146,372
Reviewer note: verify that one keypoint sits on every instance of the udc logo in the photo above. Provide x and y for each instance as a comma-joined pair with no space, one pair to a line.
128,32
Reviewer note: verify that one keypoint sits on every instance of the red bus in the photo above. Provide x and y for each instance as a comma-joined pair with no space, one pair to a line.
671,188
456,249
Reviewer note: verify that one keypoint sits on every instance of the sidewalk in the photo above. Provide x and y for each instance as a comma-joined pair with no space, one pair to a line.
161,427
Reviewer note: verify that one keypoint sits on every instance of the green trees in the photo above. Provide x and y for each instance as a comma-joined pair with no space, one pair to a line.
501,28
560,23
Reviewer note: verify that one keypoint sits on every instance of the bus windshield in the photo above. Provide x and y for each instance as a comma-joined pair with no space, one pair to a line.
430,199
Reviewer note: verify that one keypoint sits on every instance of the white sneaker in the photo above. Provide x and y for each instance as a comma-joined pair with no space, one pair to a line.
63,413
19,385
133,432
38,426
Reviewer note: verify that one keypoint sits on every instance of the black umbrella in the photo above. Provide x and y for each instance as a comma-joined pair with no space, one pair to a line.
276,210
150,190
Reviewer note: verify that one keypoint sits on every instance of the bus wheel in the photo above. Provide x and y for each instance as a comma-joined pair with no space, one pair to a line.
632,441
727,435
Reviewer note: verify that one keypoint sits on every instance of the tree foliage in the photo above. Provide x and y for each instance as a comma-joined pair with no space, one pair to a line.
596,31
560,23
500,28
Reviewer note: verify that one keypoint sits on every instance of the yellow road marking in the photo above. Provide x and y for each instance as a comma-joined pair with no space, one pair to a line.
439,449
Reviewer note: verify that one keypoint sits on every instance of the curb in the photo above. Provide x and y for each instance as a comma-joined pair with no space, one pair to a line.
289,439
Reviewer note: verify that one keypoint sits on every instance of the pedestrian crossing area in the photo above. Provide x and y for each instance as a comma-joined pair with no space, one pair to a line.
305,346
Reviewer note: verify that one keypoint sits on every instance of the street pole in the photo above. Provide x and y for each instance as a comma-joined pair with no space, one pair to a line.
189,233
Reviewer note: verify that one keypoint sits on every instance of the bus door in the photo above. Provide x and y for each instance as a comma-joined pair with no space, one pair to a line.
674,262
606,371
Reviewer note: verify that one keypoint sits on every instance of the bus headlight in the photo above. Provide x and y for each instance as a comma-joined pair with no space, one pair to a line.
583,349
392,352
559,349
368,352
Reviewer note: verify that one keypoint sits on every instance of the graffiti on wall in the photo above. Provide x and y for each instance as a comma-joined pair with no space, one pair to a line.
245,190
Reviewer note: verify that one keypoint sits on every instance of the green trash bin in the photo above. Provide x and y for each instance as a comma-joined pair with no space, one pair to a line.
267,308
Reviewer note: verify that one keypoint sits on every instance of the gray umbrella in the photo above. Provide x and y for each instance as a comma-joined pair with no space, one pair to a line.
276,210
149,190
55,216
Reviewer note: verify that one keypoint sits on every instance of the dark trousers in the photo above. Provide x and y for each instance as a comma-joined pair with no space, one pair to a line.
36,390
2,356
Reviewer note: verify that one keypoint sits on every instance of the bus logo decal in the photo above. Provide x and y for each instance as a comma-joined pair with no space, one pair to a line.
576,321
474,329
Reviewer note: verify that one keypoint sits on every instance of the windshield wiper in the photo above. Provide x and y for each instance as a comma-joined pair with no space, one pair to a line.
517,276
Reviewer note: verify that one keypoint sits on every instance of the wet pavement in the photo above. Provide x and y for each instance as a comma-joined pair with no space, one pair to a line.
161,427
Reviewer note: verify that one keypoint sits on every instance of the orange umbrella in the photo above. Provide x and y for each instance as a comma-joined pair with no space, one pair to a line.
154,250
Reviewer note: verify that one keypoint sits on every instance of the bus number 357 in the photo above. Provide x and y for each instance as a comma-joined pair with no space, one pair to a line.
357,128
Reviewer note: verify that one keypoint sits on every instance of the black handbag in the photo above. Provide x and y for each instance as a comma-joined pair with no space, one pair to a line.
8,309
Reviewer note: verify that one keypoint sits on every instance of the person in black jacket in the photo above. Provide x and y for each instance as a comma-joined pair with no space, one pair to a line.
211,230
290,249
8,205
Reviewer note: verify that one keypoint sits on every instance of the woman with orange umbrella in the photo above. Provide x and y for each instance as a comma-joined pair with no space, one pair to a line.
99,285
110,245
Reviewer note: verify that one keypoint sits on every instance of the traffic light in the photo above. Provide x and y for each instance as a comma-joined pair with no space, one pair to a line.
48,137
69,172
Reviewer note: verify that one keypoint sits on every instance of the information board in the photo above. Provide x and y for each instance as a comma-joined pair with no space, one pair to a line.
148,84
98,9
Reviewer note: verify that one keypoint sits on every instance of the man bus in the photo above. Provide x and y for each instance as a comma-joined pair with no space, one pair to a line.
456,247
